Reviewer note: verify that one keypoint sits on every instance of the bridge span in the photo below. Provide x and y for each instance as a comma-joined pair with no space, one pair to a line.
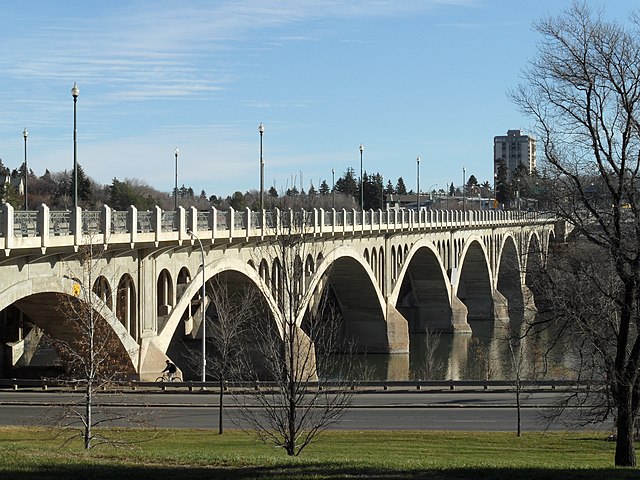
392,272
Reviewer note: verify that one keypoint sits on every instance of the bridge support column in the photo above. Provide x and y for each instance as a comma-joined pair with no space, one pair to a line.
500,307
304,357
459,314
397,330
152,361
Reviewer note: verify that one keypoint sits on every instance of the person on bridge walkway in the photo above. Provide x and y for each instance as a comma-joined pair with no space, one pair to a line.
171,370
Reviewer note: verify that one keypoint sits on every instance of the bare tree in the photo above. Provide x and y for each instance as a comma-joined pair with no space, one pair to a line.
297,350
583,90
90,349
526,358
228,329
430,366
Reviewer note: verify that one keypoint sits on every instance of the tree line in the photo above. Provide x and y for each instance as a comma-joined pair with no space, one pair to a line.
56,190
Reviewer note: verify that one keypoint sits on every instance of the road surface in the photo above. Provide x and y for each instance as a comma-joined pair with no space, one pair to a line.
391,410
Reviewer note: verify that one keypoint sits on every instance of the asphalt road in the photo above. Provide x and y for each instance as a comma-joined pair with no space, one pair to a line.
390,410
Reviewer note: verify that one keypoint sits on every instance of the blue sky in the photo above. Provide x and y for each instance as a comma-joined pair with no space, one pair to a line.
405,78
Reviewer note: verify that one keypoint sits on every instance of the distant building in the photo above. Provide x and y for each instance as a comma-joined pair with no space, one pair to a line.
514,149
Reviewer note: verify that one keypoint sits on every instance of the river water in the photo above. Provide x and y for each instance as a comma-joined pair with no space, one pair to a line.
492,352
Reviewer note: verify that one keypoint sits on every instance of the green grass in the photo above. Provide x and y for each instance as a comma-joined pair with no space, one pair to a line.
188,454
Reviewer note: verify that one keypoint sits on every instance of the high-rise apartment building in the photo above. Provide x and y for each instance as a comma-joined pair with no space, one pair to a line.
514,149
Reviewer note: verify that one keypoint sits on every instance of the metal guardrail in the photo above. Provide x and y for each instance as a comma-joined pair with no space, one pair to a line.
45,384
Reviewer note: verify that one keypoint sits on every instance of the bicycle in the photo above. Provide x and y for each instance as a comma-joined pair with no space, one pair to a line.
165,378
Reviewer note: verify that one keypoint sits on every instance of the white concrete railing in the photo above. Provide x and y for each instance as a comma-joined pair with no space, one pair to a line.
44,228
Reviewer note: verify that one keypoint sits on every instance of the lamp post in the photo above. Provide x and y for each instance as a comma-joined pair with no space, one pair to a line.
261,130
75,91
495,192
203,309
464,193
175,191
418,183
361,183
26,171
333,187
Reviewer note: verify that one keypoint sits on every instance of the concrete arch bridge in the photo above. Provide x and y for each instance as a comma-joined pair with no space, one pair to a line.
392,272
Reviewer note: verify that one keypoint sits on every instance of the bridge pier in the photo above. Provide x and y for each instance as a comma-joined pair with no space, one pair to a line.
397,331
459,314
500,307
152,361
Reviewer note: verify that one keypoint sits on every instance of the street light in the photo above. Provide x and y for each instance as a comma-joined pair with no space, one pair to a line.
175,191
26,171
203,309
261,130
418,184
75,91
464,196
361,190
333,186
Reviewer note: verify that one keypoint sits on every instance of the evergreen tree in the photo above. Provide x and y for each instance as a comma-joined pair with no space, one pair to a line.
372,187
389,190
273,192
504,192
324,188
85,187
401,189
347,184
237,201
452,190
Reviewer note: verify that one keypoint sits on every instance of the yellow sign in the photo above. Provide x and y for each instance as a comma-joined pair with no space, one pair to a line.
76,290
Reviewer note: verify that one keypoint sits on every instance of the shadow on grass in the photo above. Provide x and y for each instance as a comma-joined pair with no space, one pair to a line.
316,471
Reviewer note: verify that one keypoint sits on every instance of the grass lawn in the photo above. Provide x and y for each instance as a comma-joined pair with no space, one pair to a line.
189,454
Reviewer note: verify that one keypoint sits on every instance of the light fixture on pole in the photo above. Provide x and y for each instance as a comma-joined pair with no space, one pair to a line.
361,182
464,193
175,191
418,183
75,91
333,186
26,172
261,130
203,308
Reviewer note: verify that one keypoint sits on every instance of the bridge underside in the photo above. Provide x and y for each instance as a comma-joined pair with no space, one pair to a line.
424,298
51,315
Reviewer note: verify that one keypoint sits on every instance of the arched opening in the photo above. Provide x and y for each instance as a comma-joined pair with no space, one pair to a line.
164,293
509,284
474,284
126,305
264,272
102,289
309,269
381,278
276,281
423,298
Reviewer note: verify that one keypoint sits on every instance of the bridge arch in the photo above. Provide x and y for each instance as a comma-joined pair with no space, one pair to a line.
213,269
37,297
422,293
474,280
351,279
508,276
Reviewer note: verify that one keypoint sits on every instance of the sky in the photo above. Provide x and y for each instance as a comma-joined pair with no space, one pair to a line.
405,78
